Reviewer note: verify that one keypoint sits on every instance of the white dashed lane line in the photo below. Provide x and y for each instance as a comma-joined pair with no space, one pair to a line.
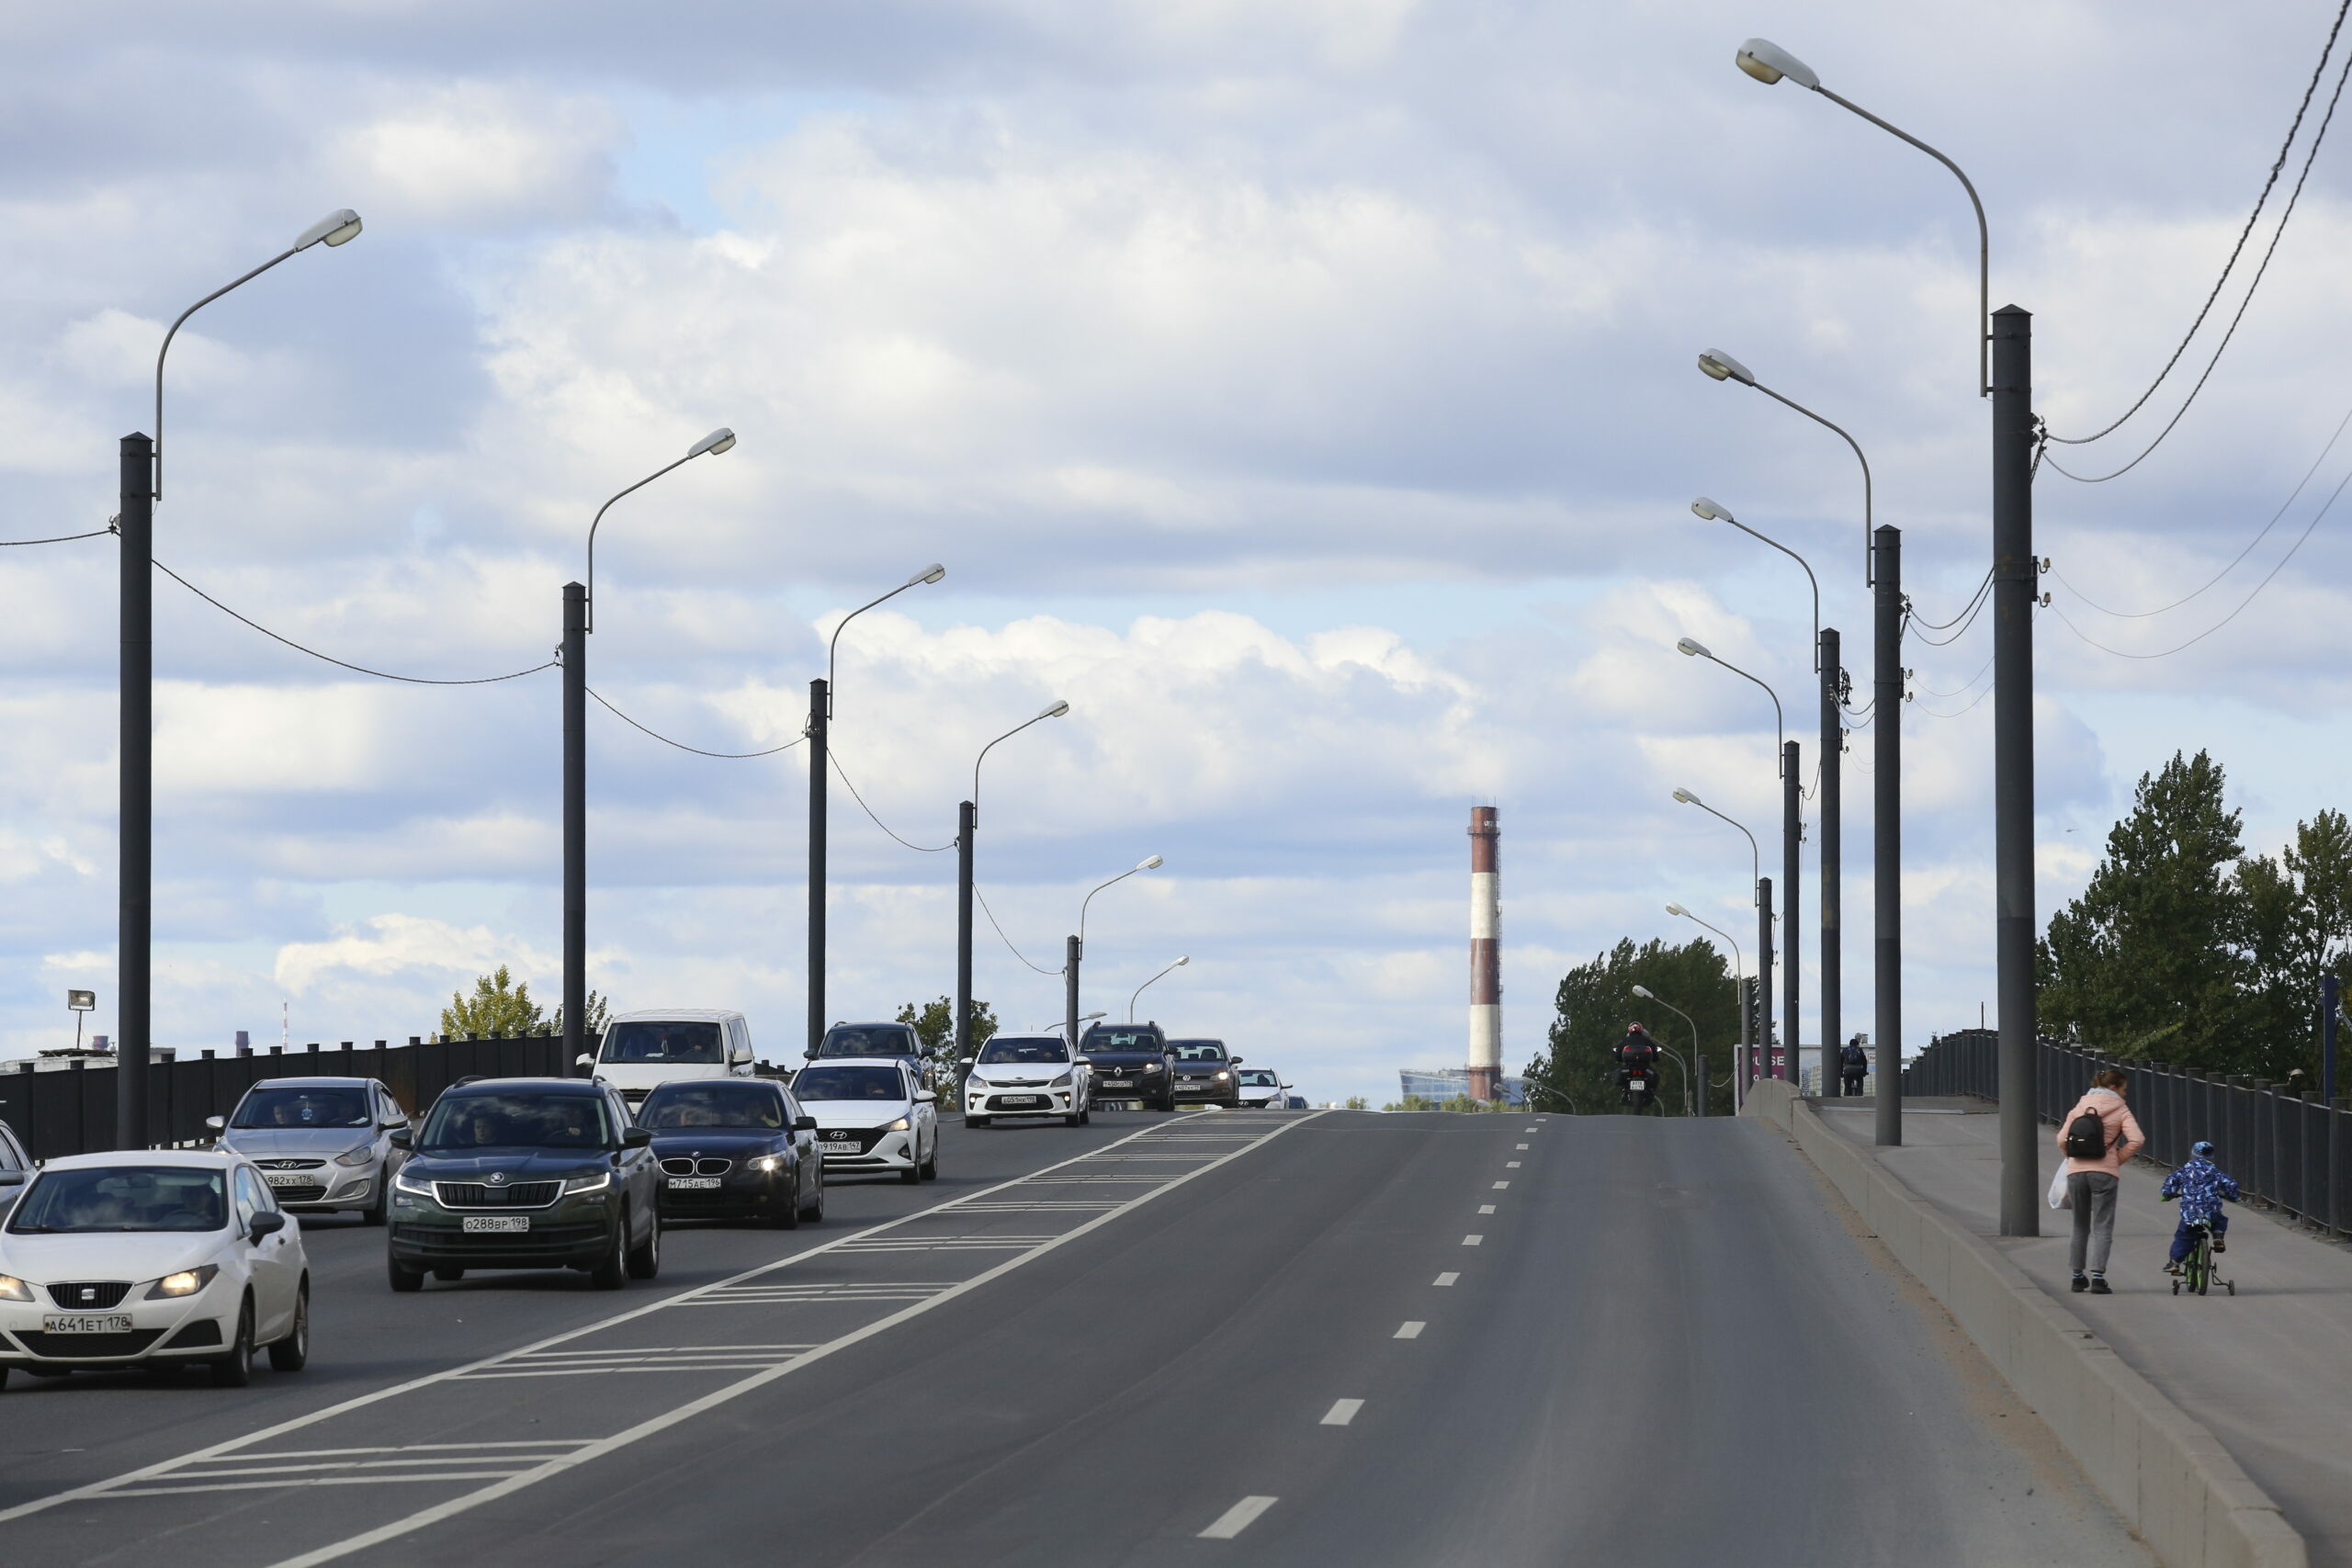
1500,1185
1522,1145
1472,1240
1410,1330
1447,1279
1237,1519
1486,1208
1510,1165
1342,1411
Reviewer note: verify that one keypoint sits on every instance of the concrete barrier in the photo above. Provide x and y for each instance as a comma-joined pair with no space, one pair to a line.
2169,1476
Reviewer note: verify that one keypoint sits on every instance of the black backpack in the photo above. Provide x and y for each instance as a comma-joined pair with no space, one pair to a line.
2085,1136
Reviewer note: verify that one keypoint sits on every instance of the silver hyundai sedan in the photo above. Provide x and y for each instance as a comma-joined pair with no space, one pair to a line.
323,1145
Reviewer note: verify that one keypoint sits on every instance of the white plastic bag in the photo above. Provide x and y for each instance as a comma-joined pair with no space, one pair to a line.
2059,1197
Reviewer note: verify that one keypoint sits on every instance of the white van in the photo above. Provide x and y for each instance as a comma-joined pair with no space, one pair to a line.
660,1046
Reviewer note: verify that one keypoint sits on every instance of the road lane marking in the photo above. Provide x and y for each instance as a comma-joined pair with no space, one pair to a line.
1342,1411
1237,1519
1500,1185
164,1469
1411,1331
1531,1129
1447,1279
1510,1165
1472,1240
1523,1145
1486,1208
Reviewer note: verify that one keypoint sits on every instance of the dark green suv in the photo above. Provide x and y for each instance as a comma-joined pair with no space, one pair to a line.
526,1173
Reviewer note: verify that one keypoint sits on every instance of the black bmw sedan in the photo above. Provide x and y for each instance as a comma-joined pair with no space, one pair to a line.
734,1148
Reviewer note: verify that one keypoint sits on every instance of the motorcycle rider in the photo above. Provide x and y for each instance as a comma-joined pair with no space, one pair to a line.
1853,1062
1637,1052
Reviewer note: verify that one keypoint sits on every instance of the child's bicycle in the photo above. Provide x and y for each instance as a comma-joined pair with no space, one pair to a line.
2197,1274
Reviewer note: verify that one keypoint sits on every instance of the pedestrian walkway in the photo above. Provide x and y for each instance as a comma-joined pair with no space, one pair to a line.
2269,1371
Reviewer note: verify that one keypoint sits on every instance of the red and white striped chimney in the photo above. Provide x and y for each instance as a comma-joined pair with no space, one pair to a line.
1486,953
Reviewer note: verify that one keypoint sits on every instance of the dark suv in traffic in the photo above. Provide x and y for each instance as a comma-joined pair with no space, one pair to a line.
1130,1062
525,1173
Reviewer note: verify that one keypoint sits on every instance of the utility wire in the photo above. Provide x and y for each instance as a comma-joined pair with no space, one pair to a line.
1006,940
2237,249
730,756
2234,614
834,759
60,538
2268,254
1912,609
2300,484
1963,688
341,663
1984,598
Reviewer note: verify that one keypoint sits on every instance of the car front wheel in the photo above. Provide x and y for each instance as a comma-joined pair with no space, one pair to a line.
645,1259
235,1370
613,1272
291,1353
403,1279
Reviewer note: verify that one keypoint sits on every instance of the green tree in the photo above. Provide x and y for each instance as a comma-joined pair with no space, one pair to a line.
599,1014
1596,1001
2153,960
1357,1102
500,1009
934,1026
2298,927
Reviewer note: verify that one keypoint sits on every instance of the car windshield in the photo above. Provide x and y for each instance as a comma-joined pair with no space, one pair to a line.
1258,1076
515,1120
1198,1051
676,1105
1038,1050
124,1198
265,1106
658,1042
848,1083
1116,1040
874,1040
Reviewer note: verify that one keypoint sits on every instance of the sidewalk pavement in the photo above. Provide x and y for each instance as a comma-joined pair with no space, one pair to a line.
2269,1371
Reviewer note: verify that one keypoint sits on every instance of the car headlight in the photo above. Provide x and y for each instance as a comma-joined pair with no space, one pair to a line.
186,1283
1063,1081
1222,1077
900,1125
14,1290
1155,1067
766,1162
595,1183
352,1158
404,1182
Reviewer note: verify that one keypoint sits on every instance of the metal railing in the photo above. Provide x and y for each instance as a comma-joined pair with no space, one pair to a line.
2286,1149
69,1109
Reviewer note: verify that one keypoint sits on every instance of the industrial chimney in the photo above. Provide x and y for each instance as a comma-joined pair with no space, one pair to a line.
1486,954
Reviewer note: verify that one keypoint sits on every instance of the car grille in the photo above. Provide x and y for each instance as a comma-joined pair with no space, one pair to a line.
81,1347
291,1163
83,1297
680,1166
307,1192
539,1241
481,1195
863,1137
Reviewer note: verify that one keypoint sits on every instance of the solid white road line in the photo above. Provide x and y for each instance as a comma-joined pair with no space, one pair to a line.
1410,1331
1237,1519
1342,1411
1447,1279
1472,1240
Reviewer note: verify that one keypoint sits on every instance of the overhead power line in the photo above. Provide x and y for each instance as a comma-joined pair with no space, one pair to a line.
834,757
1006,940
729,756
343,664
61,538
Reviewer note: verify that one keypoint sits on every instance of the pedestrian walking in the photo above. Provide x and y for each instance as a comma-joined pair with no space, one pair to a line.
1852,1063
2096,1137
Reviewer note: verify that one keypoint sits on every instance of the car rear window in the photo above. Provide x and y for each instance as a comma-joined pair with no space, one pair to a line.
679,1105
123,1198
848,1083
509,1119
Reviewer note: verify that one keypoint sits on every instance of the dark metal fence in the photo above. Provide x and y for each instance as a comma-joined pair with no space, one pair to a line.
70,1110
2286,1149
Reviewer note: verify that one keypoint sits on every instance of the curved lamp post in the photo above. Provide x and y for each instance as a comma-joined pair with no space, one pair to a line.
819,732
579,620
140,485
1763,934
1074,951
1738,988
1721,367
967,823
1140,989
1689,1107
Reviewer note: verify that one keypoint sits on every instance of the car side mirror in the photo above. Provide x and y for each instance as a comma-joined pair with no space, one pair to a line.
1081,1061
804,1123
216,1124
964,1062
809,1054
12,1179
1236,1061
268,1222
924,1096
402,1138
637,1138
583,1060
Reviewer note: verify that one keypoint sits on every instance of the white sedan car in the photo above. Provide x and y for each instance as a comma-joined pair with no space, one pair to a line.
1028,1074
148,1258
872,1113
1260,1088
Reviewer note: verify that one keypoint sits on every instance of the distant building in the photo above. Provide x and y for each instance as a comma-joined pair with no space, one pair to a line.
1448,1083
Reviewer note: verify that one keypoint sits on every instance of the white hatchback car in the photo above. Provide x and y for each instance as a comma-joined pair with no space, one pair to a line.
149,1257
872,1113
1260,1088
1028,1074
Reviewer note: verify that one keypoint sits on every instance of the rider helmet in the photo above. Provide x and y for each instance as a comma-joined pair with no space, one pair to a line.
2201,1149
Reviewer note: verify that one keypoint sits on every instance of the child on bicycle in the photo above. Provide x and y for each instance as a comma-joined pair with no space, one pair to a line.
2200,1185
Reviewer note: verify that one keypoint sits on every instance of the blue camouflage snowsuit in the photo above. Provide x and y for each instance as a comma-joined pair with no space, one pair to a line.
2200,1185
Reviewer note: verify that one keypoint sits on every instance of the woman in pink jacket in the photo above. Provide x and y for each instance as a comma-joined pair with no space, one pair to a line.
2091,1183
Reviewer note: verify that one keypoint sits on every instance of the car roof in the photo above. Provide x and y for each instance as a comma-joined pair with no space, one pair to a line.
1002,1039
855,1062
712,1083
309,1083
673,1015
202,1160
1195,1040
877,1024
554,1086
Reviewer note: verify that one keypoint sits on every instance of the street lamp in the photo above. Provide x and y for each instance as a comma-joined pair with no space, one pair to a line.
1689,1104
967,822
1140,989
820,712
1691,647
140,485
1064,1023
1832,803
1763,932
1738,986
1721,367
579,620
1074,951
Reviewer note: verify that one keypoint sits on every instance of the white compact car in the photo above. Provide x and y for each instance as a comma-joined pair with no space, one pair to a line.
1260,1088
1028,1074
152,1256
872,1113
661,1045
323,1145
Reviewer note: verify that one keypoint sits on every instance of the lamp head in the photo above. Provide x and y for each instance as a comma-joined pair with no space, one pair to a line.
1644,992
1689,649
1721,367
930,573
1152,864
1707,509
1768,62
719,440
1686,798
337,228
1678,910
1182,961
1056,711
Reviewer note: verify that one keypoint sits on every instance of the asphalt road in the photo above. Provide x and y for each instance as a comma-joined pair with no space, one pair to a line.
1263,1338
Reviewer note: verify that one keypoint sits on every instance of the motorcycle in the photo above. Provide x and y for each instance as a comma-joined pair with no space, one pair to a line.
1638,1087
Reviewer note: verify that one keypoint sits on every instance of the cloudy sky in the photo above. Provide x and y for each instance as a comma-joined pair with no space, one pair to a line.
1302,389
